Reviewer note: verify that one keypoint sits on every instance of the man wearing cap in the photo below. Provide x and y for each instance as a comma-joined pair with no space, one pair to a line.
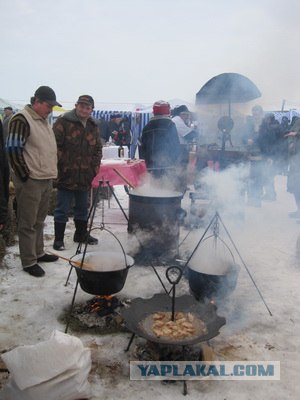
181,118
79,152
8,113
32,155
160,145
114,126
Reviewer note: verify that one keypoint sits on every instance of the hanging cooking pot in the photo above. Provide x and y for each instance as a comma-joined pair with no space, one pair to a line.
206,285
102,272
212,271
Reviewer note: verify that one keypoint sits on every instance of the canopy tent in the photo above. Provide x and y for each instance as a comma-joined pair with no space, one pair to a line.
289,114
137,114
5,103
137,120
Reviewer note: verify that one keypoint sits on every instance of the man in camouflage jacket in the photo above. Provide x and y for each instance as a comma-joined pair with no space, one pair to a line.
79,153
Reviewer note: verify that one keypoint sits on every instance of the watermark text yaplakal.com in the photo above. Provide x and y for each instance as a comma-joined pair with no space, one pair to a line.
200,370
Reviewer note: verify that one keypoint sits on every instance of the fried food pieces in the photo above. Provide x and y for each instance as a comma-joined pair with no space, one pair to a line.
183,326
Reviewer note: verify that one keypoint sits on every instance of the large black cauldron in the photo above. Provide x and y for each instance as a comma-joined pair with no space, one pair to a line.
155,219
109,275
207,286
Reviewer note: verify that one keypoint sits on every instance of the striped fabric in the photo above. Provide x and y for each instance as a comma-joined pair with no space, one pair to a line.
290,114
136,129
103,114
18,133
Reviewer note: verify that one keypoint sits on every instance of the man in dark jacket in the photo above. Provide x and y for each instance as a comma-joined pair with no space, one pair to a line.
79,154
4,181
160,145
293,178
120,130
268,140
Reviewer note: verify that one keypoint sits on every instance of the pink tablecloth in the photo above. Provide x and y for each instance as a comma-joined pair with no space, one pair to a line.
134,171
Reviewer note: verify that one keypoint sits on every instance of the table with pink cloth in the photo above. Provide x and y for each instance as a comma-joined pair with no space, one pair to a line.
133,170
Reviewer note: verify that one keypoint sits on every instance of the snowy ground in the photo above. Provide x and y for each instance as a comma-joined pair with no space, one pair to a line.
269,243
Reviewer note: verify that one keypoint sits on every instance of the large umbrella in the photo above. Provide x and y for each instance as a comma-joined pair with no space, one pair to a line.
227,88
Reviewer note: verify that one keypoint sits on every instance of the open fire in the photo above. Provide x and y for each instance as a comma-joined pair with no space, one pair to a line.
100,312
102,305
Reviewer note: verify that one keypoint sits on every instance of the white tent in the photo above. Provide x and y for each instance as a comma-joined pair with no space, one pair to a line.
5,103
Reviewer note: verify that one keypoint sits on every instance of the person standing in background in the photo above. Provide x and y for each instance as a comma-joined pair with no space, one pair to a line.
186,135
79,152
251,140
293,178
32,154
103,130
8,113
114,126
269,139
4,182
160,146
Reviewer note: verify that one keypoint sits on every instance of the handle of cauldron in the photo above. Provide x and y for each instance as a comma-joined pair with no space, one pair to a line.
173,274
122,248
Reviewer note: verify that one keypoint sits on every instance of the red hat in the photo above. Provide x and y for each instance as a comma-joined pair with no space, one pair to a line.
161,108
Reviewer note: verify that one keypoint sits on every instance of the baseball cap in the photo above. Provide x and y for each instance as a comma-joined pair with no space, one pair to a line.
86,99
45,93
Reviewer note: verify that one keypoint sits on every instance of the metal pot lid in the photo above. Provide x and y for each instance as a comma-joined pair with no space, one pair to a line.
137,318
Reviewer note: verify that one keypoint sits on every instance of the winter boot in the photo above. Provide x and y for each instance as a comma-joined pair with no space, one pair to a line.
59,231
81,234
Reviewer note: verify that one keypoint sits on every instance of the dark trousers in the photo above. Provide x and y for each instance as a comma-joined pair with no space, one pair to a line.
64,200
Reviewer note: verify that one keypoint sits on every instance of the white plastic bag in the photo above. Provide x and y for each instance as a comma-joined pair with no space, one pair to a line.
56,369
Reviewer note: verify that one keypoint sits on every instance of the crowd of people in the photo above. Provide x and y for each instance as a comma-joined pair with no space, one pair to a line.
36,156
267,143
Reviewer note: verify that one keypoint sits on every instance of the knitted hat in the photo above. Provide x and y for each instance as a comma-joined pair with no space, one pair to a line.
161,108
